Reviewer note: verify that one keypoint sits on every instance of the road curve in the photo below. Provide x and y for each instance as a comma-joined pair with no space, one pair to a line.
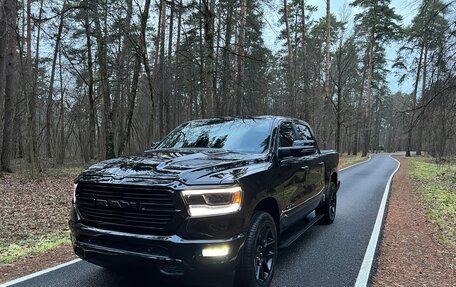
324,256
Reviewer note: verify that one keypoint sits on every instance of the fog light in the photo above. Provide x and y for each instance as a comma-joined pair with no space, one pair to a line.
216,251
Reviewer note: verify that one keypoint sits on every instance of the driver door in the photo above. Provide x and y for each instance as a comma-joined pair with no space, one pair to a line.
292,179
315,175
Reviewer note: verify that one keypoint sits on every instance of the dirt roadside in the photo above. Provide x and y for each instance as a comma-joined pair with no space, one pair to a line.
410,254
34,229
34,263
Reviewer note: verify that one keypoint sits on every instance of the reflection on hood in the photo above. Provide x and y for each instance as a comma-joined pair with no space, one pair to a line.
187,166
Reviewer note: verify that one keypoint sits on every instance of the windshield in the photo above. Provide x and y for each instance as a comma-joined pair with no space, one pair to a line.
240,135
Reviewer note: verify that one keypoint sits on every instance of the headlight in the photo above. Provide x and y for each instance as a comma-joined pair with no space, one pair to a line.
207,202
74,192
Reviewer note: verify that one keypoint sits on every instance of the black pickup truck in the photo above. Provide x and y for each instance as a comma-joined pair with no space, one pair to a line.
214,200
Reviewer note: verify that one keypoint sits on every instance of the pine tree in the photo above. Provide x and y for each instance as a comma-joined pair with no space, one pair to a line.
379,24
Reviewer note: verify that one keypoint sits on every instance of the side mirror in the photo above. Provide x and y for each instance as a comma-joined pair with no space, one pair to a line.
154,145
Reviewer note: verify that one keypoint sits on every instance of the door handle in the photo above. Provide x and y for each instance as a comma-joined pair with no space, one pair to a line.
321,163
306,168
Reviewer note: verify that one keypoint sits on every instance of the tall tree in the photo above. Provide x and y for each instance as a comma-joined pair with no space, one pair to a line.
102,54
240,58
290,57
3,44
145,59
30,76
10,80
49,103
120,85
380,24
328,49
422,32
90,82
208,16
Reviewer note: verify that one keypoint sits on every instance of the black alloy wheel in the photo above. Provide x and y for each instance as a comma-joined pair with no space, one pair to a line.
329,207
260,250
266,249
332,206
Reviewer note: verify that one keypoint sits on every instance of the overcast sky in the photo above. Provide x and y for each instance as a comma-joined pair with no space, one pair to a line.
406,8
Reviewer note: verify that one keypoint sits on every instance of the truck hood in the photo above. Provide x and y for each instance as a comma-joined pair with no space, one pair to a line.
188,167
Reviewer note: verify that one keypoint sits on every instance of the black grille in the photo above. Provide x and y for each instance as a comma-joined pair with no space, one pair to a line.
126,206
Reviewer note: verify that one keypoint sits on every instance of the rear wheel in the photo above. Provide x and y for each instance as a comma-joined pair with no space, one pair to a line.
260,252
328,209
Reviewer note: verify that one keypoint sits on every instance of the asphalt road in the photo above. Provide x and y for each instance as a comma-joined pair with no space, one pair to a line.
324,256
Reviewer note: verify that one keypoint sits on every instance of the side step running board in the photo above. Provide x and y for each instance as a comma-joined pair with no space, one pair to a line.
286,242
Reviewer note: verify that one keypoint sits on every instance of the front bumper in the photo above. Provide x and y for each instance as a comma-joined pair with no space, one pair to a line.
170,256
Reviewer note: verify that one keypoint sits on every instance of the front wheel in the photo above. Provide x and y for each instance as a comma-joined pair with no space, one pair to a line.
260,252
328,209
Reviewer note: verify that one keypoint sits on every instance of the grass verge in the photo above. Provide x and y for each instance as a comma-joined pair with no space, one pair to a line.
31,246
436,186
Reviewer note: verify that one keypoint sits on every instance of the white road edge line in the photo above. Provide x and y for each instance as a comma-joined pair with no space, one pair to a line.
366,266
358,163
27,277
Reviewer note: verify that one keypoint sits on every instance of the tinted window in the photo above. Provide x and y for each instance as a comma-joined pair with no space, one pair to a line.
303,132
242,135
286,134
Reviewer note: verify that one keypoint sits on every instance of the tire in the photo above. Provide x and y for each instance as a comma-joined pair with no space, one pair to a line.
328,209
259,254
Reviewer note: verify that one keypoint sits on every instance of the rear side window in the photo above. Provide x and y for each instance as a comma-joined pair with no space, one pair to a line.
286,134
303,132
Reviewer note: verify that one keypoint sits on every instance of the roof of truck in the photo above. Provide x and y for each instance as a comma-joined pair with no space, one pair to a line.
272,117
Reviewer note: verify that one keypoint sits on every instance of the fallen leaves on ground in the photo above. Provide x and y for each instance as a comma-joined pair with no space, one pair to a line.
410,254
31,211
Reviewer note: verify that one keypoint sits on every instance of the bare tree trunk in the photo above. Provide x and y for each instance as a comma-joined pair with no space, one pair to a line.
338,119
415,90
328,47
92,104
217,94
125,138
200,92
177,74
359,112
3,48
10,85
240,58
32,76
208,16
145,57
304,57
226,71
161,72
48,136
339,86
423,97
291,71
107,126
370,70
169,70
122,67
62,145
154,95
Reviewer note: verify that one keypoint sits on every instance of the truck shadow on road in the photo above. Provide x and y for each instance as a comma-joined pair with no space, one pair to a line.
140,278
135,278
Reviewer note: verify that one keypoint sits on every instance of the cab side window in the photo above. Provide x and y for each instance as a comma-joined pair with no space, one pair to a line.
303,132
286,134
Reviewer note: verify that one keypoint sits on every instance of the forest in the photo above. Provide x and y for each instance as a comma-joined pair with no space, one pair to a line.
86,80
